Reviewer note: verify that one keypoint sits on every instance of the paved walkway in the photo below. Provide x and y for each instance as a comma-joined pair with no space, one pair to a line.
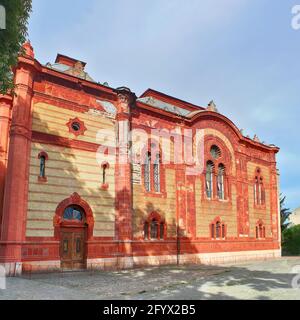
253,280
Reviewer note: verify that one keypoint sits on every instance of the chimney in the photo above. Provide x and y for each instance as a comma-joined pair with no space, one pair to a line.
69,61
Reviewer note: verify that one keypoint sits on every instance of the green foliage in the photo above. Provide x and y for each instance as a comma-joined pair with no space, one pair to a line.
284,214
12,38
291,242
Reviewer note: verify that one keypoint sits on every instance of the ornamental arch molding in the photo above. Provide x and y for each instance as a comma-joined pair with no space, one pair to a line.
74,199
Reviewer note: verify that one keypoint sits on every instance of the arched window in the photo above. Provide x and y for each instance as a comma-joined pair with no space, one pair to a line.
259,190
218,230
220,182
156,173
147,172
209,179
73,213
104,168
154,227
260,230
152,173
43,157
154,230
42,166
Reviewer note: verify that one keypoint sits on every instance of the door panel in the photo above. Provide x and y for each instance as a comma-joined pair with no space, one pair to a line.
72,249
78,250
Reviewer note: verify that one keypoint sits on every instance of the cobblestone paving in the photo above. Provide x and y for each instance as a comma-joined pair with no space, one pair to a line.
254,280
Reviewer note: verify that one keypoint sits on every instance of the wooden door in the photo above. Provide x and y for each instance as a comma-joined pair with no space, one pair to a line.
72,249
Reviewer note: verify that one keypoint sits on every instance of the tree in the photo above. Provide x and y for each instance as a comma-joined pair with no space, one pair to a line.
12,39
291,243
284,214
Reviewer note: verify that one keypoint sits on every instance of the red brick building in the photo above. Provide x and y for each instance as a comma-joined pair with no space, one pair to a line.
76,191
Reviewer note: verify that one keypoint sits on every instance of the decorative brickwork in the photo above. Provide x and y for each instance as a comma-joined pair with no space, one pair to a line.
60,149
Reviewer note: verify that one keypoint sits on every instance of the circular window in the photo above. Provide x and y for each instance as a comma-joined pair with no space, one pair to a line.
76,126
215,152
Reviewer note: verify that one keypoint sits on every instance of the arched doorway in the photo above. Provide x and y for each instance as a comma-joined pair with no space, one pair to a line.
73,239
73,224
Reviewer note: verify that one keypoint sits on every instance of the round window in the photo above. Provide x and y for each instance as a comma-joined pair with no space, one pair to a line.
76,126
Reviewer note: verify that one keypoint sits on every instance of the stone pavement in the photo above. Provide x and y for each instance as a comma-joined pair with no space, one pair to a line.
253,280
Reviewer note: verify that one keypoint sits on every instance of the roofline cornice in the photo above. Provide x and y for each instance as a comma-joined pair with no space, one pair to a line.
208,114
39,68
171,100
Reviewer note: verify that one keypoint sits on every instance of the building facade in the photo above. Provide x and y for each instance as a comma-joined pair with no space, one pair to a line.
295,217
95,177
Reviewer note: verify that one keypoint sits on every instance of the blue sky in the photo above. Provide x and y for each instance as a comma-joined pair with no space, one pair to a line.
244,54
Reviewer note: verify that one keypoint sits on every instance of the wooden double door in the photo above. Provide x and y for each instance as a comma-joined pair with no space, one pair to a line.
73,248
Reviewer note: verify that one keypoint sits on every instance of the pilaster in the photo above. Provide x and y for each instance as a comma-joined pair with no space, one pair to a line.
123,175
16,186
5,118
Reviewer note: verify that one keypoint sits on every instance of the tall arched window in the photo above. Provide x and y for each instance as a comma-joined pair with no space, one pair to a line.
42,166
218,230
152,172
154,230
43,157
147,172
104,167
220,182
259,190
209,179
156,173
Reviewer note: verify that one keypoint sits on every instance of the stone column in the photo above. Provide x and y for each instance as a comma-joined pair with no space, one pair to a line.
5,117
123,176
16,186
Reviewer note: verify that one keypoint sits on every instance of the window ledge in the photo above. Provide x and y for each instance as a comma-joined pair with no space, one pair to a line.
155,194
260,206
244,236
223,200
216,200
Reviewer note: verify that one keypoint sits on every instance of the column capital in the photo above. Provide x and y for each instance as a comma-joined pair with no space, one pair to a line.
126,99
21,131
